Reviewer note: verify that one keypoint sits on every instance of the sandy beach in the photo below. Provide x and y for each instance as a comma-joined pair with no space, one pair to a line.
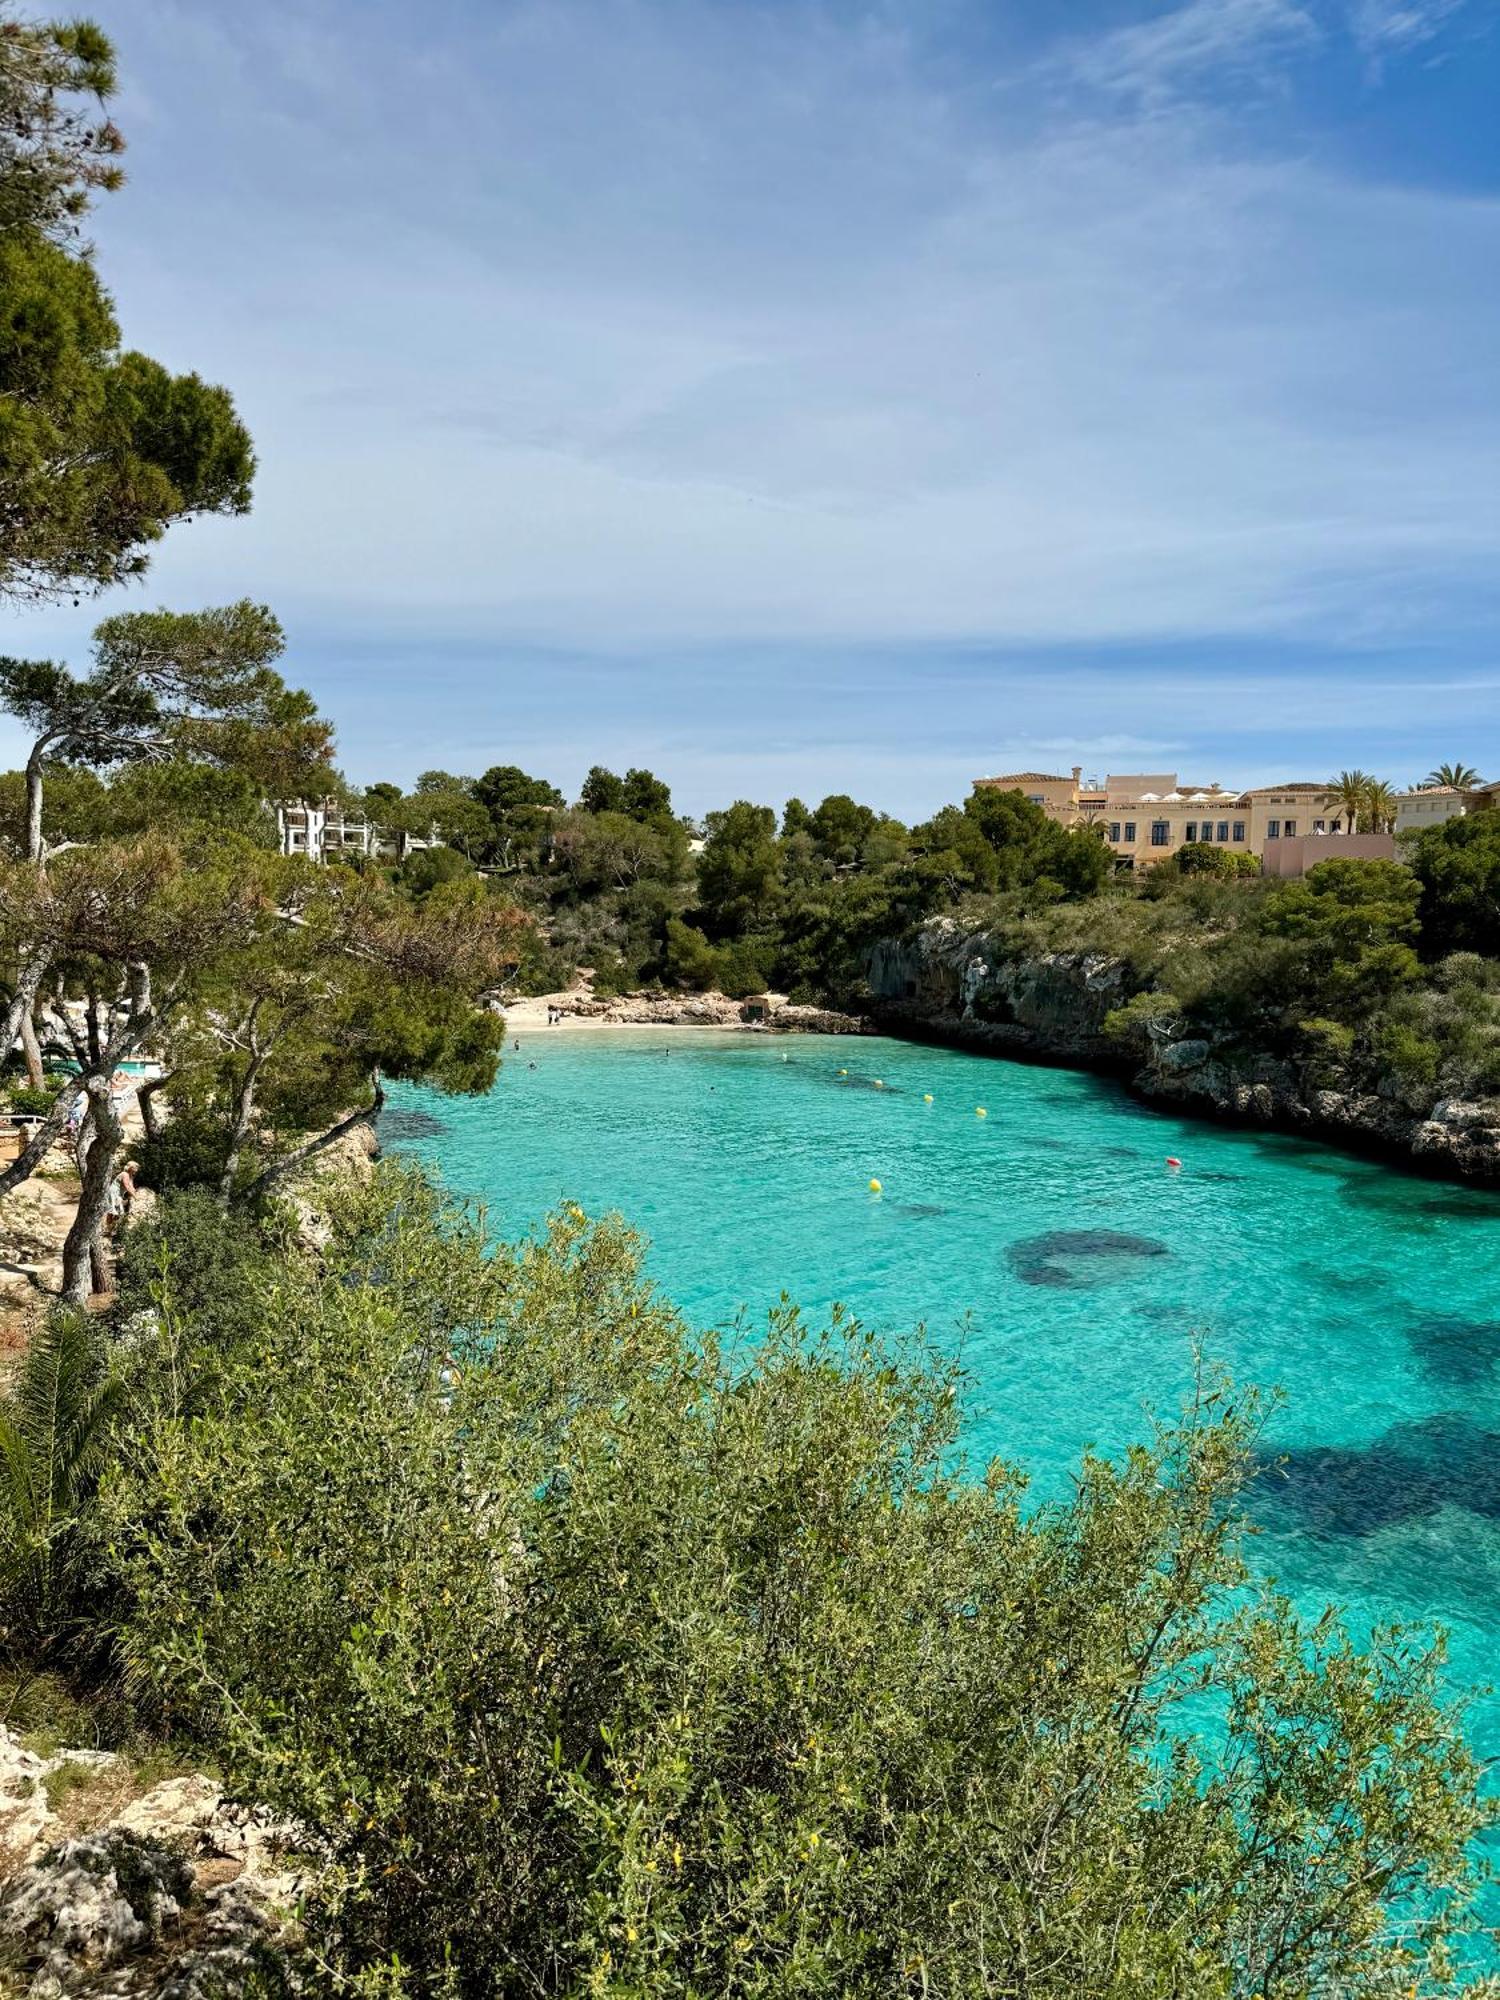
580,1012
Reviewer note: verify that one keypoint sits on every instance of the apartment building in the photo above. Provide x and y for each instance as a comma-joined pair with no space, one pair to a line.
326,831
1146,816
1432,804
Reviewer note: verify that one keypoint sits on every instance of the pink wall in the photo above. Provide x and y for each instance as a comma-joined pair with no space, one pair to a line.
1306,850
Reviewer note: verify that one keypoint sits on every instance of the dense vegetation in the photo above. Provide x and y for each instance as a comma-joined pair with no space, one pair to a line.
593,1657
1393,965
792,900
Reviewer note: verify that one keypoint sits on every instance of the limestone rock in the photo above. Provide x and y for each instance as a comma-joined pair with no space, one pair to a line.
180,1810
24,1811
183,1893
950,981
1178,1056
88,1904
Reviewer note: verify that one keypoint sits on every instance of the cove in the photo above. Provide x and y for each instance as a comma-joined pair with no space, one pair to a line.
1073,1270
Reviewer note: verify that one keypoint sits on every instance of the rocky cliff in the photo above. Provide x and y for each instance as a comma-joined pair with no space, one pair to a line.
951,984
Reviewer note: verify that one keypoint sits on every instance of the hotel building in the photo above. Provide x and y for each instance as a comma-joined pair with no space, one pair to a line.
1146,816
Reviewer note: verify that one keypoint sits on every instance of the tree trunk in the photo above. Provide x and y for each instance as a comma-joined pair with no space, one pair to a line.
34,849
40,1143
244,1111
28,984
91,1022
83,1252
144,1017
145,1097
279,1168
36,1076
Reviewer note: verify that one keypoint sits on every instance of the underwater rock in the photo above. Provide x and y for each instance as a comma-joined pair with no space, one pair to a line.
1407,1473
1077,1260
410,1125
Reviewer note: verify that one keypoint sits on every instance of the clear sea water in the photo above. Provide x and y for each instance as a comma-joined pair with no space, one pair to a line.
1051,1244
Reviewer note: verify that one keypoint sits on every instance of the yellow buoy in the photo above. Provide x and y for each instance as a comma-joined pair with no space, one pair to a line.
880,1083
874,1187
927,1097
843,1072
980,1112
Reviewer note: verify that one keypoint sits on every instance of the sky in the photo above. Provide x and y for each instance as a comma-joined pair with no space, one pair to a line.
810,397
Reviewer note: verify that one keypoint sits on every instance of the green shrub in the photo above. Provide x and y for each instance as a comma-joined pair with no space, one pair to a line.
31,1100
689,959
743,968
208,1269
597,1658
1411,1058
188,1151
1130,1025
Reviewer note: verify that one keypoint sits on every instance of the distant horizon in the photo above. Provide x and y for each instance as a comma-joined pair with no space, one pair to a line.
797,400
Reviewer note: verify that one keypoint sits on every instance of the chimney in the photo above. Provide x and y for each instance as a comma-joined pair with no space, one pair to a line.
1077,774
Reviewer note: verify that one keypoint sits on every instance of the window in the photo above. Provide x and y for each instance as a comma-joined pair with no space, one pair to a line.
1130,833
1239,829
1190,831
1223,829
1320,826
1273,829
1114,830
1036,799
1337,826
1289,828
1161,833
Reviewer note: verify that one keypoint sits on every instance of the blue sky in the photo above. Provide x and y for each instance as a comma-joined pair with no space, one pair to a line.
811,397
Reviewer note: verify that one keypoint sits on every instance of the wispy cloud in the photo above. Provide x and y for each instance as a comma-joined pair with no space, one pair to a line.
1388,27
624,361
1154,61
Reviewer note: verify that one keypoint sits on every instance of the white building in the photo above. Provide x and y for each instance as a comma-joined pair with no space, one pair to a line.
1430,805
327,831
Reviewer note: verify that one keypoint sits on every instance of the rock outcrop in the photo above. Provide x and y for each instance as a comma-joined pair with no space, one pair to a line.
179,1893
947,979
948,983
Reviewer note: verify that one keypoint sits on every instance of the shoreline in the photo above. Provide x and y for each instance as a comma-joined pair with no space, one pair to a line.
581,1012
1293,1119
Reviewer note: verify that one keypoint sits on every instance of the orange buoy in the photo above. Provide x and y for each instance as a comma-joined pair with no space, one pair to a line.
1173,1161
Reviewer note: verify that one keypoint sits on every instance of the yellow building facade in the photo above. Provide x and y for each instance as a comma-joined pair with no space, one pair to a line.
1147,816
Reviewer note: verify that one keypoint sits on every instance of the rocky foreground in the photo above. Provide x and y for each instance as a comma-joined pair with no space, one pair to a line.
109,1885
947,983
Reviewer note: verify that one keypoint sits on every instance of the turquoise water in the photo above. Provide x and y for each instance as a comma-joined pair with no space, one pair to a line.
1052,1245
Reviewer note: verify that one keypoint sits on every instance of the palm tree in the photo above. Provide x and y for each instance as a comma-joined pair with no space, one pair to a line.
1380,806
54,1427
1367,803
1458,777
1351,791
